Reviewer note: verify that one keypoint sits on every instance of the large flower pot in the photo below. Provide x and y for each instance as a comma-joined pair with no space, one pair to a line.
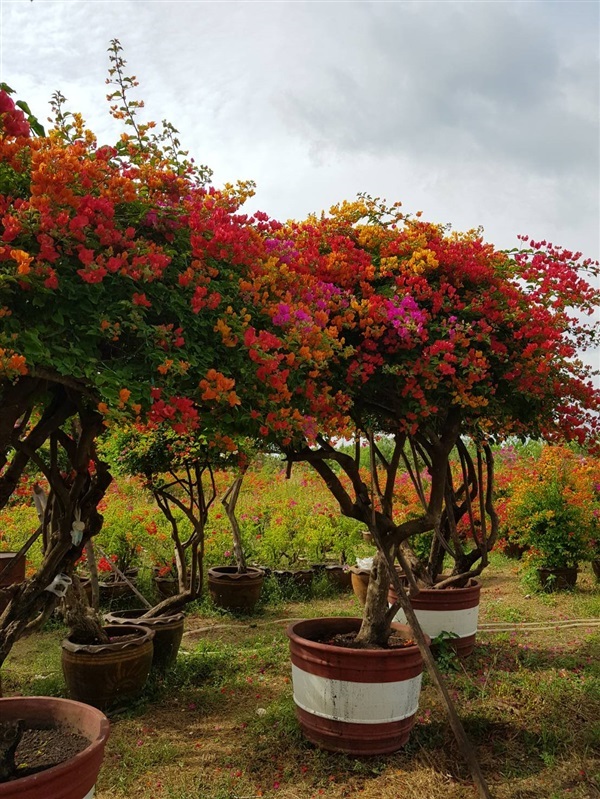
104,674
74,778
234,591
450,610
15,573
166,586
514,551
168,632
358,701
558,579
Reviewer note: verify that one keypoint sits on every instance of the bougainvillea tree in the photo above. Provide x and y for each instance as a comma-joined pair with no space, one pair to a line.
434,339
178,469
119,271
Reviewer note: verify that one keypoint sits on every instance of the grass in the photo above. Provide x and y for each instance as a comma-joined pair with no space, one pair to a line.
221,724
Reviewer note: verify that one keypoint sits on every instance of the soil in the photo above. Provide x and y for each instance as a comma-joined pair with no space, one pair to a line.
348,641
42,748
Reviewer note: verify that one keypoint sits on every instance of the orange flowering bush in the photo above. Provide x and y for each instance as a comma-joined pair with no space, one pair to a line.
554,508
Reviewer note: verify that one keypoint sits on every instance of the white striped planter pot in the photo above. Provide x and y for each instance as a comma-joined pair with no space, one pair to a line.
358,701
450,610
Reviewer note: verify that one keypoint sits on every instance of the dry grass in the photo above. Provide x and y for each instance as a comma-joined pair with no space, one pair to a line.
222,726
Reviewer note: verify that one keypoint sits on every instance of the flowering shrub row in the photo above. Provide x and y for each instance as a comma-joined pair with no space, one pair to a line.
548,499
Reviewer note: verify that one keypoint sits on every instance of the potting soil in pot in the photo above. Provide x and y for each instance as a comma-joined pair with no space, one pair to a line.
42,748
348,641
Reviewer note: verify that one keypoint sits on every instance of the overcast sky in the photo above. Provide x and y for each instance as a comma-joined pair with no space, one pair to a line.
476,113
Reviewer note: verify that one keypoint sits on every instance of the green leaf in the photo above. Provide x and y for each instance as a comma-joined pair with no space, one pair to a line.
24,107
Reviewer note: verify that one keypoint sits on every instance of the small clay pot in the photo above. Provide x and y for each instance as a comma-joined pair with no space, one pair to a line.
360,582
114,588
514,551
340,576
302,578
166,586
232,590
168,632
558,579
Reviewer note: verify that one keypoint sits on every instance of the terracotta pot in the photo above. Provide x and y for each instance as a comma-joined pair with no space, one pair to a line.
166,586
112,589
359,579
558,579
234,591
103,674
358,701
73,779
450,610
86,584
340,576
596,568
15,573
302,578
168,632
514,551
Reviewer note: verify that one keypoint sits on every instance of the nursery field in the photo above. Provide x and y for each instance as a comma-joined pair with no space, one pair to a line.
221,724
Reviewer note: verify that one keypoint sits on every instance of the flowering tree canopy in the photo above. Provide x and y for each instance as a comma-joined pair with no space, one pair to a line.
119,272
434,338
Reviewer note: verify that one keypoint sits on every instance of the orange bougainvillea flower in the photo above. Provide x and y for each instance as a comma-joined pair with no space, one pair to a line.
23,261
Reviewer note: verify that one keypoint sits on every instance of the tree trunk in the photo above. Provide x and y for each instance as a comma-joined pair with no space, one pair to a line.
170,605
375,628
229,502
93,567
84,623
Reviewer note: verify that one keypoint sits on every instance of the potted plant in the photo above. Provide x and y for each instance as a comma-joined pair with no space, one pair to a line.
235,587
98,333
165,579
432,343
552,511
358,701
176,468
84,732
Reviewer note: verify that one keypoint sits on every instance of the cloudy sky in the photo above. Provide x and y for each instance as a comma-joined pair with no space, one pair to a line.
477,113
